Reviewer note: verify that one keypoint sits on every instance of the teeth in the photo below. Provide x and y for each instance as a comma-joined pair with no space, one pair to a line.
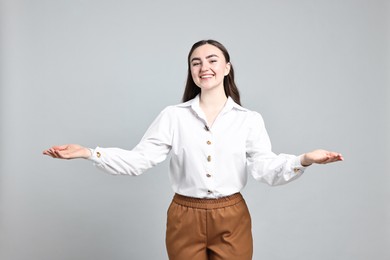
206,76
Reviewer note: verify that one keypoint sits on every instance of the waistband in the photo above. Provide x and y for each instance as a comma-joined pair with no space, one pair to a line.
208,203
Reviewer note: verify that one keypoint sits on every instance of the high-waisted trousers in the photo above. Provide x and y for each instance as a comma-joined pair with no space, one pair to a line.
214,229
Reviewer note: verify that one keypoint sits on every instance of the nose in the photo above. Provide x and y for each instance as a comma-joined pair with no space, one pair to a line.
204,67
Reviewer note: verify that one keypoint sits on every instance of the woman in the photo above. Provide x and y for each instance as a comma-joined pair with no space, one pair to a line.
214,143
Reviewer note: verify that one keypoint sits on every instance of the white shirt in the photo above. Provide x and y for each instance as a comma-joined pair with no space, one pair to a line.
206,161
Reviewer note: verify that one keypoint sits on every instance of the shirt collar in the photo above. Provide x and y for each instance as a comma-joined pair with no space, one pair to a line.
229,105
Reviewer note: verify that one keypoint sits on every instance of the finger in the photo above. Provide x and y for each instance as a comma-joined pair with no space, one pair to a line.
337,157
333,159
327,158
65,154
53,152
60,147
49,153
60,154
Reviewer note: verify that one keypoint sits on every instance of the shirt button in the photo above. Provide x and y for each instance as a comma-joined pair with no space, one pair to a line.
98,154
209,192
208,175
208,142
209,158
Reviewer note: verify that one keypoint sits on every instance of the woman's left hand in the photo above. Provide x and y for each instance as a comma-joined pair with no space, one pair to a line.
320,157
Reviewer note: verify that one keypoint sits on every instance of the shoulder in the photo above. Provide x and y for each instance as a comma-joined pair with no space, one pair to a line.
177,108
250,113
253,117
174,110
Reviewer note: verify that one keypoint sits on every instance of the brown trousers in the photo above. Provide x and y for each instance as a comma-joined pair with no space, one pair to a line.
215,229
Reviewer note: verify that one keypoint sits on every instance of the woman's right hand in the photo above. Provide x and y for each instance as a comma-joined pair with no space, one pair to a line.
68,151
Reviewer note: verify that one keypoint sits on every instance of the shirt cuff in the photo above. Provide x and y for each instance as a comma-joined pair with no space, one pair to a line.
297,166
95,155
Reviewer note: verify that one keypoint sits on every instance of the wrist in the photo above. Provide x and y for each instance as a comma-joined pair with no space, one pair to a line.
87,153
305,161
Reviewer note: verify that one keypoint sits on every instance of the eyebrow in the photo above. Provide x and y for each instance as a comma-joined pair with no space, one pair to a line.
207,57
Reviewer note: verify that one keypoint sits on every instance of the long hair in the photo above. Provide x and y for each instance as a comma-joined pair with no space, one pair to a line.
191,89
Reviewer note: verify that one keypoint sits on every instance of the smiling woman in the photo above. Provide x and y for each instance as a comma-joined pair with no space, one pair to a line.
192,89
208,70
214,144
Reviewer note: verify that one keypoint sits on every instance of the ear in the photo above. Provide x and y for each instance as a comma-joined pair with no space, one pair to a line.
227,68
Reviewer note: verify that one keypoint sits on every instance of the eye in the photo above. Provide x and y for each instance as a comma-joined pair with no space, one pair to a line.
213,61
195,64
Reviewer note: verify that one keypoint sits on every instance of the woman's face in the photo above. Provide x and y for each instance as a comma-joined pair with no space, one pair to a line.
208,67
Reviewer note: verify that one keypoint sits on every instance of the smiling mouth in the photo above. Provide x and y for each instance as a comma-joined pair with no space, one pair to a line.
206,76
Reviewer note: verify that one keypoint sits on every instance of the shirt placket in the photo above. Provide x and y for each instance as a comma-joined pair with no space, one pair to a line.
210,162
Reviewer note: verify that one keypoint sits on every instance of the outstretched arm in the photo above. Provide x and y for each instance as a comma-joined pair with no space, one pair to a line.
151,150
265,166
68,151
320,157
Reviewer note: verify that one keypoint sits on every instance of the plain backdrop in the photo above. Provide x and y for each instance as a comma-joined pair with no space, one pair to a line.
98,72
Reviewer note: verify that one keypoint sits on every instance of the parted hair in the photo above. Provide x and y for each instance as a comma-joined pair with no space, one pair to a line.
191,89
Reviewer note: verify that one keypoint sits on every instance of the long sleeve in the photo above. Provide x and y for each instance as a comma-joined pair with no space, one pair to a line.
151,150
262,163
205,162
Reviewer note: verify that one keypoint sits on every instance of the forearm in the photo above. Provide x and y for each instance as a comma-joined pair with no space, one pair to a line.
276,169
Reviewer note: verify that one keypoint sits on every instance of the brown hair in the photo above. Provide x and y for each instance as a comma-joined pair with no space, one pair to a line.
191,89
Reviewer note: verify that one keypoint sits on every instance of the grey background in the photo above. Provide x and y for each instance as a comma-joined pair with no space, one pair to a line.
98,72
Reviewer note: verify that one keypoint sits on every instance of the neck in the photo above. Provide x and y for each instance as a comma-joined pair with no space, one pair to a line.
213,99
212,102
